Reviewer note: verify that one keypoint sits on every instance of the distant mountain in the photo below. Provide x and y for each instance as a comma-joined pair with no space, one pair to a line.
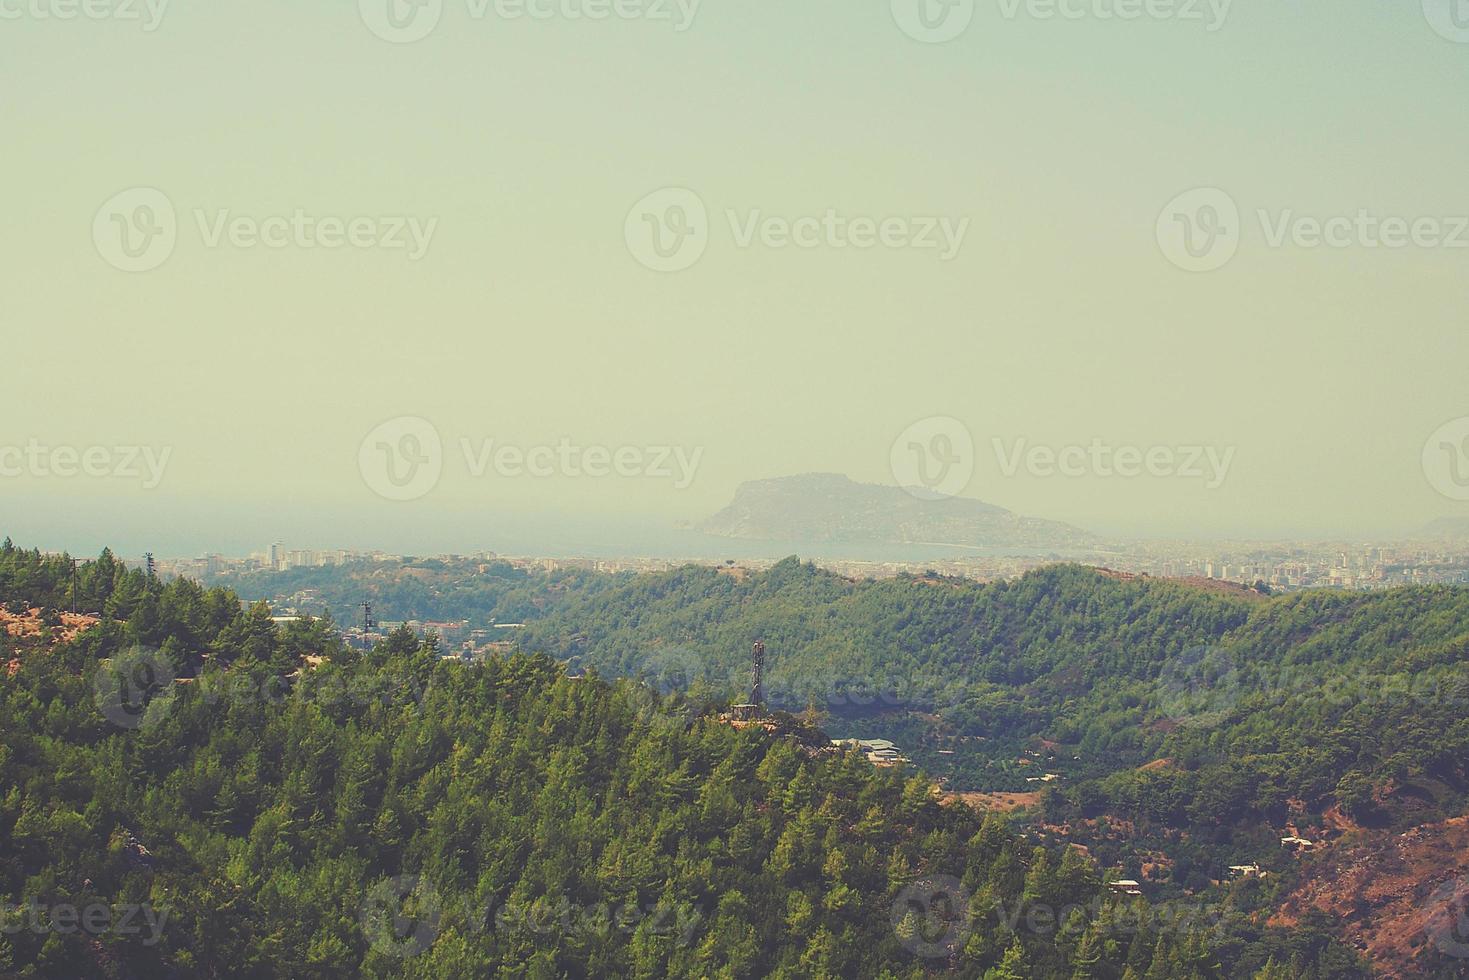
1446,527
831,508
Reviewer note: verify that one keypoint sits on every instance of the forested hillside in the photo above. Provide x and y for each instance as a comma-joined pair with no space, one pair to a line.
1341,699
425,589
188,790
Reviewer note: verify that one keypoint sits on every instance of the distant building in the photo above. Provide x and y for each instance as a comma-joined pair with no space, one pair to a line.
879,751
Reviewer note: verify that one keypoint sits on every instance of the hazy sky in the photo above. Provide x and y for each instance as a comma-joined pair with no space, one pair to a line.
526,312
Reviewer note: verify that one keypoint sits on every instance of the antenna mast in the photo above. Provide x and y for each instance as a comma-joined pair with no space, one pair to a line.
757,674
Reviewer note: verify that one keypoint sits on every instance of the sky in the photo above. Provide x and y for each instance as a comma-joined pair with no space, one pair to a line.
426,276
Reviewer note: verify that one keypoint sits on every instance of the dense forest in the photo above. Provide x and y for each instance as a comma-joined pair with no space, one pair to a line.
188,789
1314,700
1266,709
425,589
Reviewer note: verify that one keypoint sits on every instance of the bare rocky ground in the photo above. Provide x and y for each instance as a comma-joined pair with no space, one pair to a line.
1400,896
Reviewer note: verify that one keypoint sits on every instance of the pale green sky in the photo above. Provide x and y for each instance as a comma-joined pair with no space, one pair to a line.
529,319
